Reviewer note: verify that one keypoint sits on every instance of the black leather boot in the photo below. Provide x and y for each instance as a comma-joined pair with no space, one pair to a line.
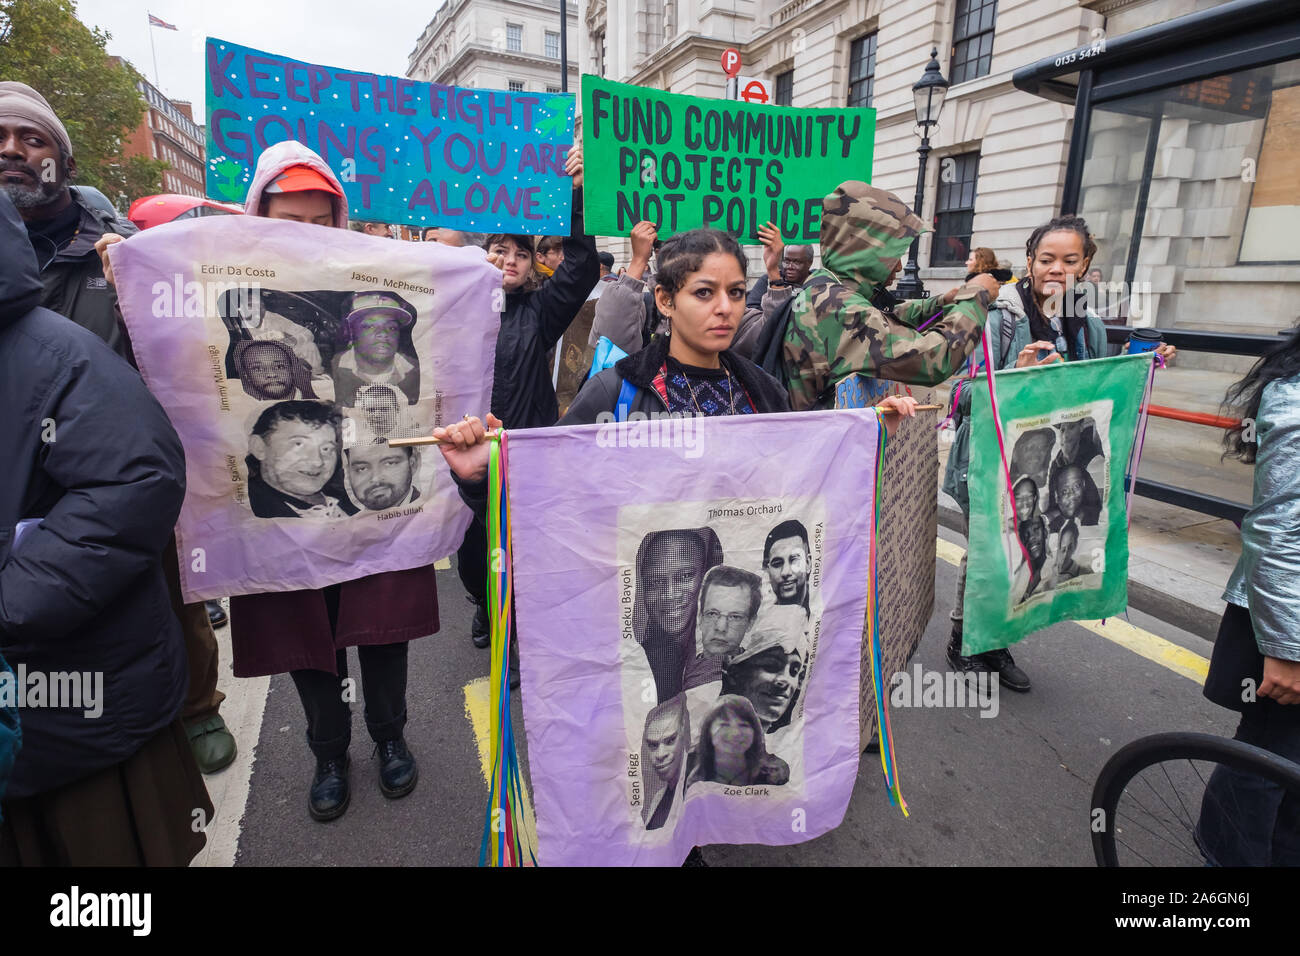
216,614
330,793
398,771
478,630
1009,675
959,662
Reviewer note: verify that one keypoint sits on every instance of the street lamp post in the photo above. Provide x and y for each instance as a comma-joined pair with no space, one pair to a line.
928,94
564,46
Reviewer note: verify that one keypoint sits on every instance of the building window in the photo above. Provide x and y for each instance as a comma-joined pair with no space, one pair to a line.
599,47
552,89
954,211
652,26
514,37
785,88
972,39
516,86
552,45
862,70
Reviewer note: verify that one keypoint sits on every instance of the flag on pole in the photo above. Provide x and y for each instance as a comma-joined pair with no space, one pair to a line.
159,22
1048,534
625,664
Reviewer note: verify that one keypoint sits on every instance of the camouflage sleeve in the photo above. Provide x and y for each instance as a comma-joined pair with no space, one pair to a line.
914,312
836,332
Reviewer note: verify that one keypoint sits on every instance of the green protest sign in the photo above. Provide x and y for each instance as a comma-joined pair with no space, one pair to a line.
1058,549
683,162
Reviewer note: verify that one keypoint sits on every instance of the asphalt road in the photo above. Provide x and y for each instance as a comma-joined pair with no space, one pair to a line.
1007,790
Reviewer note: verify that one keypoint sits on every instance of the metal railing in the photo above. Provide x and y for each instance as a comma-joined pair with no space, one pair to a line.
1196,341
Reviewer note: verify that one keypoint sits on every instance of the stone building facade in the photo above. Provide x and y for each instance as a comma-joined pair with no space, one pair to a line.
999,154
497,45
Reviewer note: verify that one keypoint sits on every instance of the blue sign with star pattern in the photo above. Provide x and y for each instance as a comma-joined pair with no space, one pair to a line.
422,154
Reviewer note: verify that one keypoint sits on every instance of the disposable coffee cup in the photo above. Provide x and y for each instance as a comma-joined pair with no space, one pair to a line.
1144,340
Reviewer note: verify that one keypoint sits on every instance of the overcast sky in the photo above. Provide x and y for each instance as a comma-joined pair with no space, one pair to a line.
372,36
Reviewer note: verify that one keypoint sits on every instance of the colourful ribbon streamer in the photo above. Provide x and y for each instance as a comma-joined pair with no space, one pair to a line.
507,836
1002,447
884,730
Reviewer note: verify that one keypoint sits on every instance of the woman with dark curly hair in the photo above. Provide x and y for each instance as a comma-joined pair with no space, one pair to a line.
1043,318
1245,820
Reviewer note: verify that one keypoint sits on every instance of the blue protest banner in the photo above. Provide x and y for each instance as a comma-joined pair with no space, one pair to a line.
409,152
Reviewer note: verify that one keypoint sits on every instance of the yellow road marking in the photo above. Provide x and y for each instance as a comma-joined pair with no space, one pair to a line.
1143,643
948,551
478,697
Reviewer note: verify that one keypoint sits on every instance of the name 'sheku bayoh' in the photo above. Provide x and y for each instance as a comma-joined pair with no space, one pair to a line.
684,162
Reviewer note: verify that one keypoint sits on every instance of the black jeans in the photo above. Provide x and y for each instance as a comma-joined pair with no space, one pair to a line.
383,684
1246,820
471,561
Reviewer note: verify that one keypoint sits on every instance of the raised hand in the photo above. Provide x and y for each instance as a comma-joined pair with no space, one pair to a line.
773,248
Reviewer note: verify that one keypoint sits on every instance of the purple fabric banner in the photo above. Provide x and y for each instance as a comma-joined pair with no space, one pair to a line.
690,597
286,355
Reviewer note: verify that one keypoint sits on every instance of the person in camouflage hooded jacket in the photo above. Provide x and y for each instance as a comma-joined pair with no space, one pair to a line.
836,331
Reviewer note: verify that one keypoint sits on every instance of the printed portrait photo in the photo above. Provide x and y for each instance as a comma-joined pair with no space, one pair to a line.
1056,520
375,347
729,603
378,477
305,322
325,378
732,748
293,462
786,559
381,411
271,371
770,669
721,609
664,746
670,568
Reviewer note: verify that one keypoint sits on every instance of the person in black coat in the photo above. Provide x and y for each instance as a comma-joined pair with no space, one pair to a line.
93,484
537,313
535,316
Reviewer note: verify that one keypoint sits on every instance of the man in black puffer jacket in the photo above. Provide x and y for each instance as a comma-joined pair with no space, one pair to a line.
93,485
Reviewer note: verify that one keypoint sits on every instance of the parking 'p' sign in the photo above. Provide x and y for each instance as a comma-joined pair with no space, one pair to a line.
731,61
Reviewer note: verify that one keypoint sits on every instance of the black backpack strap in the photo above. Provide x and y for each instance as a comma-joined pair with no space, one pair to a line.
769,352
651,318
1007,333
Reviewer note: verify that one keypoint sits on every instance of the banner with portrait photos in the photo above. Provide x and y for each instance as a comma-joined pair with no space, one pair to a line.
690,596
287,355
1058,550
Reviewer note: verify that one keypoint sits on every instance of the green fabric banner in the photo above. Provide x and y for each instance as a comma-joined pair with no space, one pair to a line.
1060,551
683,162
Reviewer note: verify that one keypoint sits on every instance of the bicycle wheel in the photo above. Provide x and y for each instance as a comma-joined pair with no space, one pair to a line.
1148,796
